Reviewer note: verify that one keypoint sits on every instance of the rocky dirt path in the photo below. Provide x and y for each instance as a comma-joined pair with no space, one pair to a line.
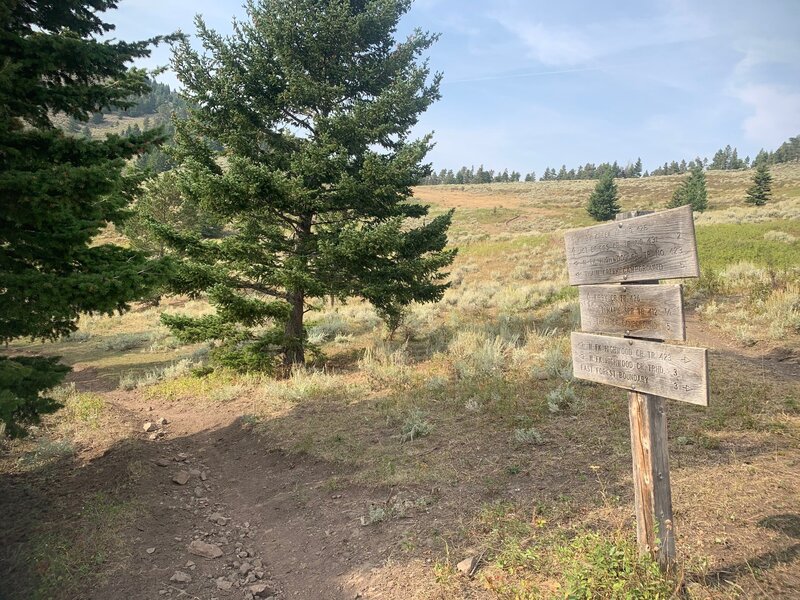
220,516
186,542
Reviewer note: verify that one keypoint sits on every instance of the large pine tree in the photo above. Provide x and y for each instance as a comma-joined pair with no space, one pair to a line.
759,193
299,142
604,201
691,191
58,191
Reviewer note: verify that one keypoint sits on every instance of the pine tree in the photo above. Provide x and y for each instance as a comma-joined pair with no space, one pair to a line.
58,191
311,103
604,201
759,193
691,191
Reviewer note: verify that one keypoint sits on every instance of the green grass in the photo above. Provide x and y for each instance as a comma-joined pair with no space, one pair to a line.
724,244
68,561
525,559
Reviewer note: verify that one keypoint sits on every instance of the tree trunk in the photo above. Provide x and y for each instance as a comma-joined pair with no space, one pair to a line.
294,352
294,342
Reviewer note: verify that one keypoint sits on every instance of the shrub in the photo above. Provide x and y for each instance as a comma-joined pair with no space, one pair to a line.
327,328
779,236
527,435
415,426
561,398
46,451
125,341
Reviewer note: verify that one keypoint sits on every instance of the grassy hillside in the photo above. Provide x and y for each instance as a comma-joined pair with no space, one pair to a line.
466,434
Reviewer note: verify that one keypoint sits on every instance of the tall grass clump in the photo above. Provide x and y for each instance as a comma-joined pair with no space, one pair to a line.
305,385
475,355
545,355
387,365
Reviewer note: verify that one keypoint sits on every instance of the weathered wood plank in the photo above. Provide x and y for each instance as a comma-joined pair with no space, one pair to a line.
655,531
648,311
677,372
656,246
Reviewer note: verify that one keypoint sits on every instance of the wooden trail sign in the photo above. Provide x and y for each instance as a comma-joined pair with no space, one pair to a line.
677,372
650,247
646,311
645,248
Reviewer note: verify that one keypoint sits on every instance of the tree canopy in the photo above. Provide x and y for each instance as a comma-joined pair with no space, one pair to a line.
691,191
761,190
59,191
298,141
604,201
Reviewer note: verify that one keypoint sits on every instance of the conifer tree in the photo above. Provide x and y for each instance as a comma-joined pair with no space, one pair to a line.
309,104
58,191
691,191
759,193
604,201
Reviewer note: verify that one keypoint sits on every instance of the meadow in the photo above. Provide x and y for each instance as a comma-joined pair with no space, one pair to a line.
463,434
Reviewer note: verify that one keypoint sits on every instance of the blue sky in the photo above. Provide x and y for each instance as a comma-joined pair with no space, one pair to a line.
535,84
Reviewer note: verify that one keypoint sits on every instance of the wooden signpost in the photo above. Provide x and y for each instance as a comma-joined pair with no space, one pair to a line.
635,252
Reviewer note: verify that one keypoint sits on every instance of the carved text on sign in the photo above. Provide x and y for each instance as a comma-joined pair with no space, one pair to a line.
649,311
677,372
656,246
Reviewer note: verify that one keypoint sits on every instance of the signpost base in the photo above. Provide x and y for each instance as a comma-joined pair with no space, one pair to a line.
653,496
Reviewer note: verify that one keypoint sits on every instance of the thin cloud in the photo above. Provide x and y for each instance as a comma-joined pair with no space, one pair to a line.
562,46
775,116
534,74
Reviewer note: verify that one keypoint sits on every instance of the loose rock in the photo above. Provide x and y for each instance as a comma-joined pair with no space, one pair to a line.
468,565
162,462
260,590
150,550
181,478
181,577
223,584
245,568
162,421
218,519
204,549
149,426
